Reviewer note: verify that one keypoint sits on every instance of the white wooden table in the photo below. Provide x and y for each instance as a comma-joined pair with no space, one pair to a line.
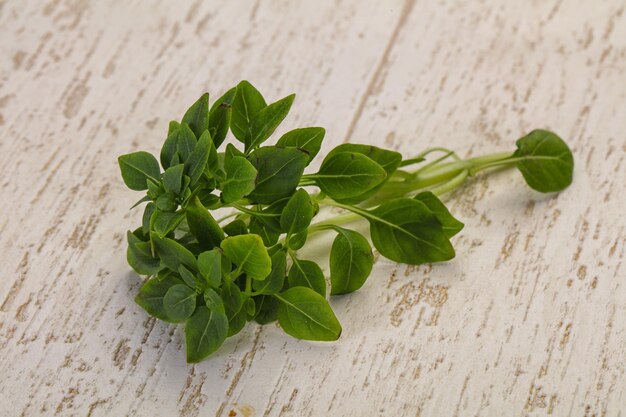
528,320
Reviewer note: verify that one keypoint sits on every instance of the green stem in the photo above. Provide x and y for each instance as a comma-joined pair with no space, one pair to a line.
452,184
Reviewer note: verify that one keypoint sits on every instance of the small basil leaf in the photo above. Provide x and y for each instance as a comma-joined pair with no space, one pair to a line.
298,213
240,179
173,254
167,202
235,228
347,176
237,322
213,301
179,302
220,116
197,117
147,215
275,280
451,226
308,274
279,172
173,178
258,227
297,240
210,267
246,104
202,225
205,332
304,314
388,160
187,276
249,307
151,293
232,298
163,222
307,138
170,145
197,160
249,254
545,161
185,142
231,151
265,122
137,168
405,230
351,261
139,256
266,309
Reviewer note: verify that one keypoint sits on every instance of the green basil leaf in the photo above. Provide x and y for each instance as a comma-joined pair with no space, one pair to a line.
308,274
205,332
298,213
250,308
139,256
155,188
202,225
185,142
237,322
347,176
235,228
232,151
545,161
173,254
351,261
233,304
151,294
451,226
388,160
197,160
246,104
213,301
214,167
240,179
232,298
249,254
270,216
147,215
265,122
405,230
188,277
307,138
163,222
170,145
210,267
197,117
297,240
266,309
220,116
179,302
304,314
279,172
167,202
137,168
260,228
173,178
275,280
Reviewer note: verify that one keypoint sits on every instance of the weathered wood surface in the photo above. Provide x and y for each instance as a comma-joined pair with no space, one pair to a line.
529,319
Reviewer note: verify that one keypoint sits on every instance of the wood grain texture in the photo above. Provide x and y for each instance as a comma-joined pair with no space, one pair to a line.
528,320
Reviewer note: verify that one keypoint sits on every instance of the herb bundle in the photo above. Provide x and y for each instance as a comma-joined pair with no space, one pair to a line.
215,275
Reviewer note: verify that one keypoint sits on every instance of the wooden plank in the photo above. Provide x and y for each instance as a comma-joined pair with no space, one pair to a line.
527,320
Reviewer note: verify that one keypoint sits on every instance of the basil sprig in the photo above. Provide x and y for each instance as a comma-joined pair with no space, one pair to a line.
223,231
